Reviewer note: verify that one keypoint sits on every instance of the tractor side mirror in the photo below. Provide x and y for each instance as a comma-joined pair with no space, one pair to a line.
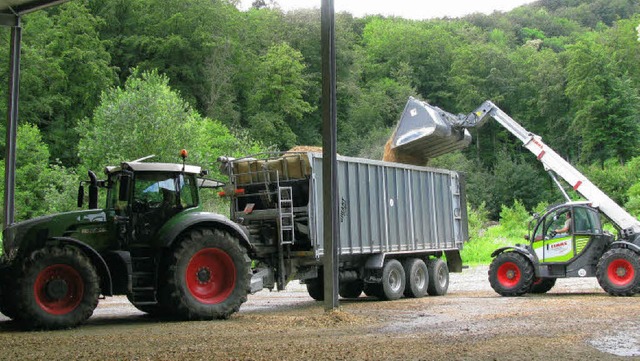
125,185
93,190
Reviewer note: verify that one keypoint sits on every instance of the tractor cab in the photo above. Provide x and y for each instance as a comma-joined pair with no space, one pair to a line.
564,238
145,196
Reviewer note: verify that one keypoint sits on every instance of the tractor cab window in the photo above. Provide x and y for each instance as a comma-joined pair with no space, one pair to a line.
188,191
113,202
155,190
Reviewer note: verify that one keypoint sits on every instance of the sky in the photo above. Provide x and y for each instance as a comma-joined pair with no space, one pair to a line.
408,9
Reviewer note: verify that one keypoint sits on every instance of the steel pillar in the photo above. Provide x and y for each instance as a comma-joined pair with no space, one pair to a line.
12,124
329,155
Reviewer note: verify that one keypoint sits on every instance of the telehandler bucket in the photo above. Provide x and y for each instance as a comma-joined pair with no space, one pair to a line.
425,132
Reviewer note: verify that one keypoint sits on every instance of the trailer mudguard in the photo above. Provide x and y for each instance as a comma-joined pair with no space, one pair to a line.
106,284
170,231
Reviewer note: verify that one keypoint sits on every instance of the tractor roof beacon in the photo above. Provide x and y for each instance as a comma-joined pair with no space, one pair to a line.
584,250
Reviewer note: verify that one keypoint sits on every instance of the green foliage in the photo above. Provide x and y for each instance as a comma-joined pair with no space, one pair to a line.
146,117
486,238
277,99
41,188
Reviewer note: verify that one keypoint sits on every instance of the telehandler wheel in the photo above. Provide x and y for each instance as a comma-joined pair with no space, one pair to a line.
58,288
315,286
393,280
438,277
511,274
351,289
417,281
542,285
618,272
209,276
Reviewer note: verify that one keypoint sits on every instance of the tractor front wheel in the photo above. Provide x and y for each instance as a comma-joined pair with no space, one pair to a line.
209,276
511,274
58,288
618,272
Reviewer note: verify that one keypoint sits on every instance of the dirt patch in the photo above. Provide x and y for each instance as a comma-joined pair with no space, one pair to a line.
575,321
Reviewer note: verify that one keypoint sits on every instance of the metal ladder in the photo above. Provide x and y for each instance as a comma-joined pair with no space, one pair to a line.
285,215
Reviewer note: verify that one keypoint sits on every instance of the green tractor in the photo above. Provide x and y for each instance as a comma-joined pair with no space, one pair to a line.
151,242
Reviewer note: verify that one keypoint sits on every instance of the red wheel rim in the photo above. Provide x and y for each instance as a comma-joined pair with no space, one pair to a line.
58,289
211,275
509,274
620,272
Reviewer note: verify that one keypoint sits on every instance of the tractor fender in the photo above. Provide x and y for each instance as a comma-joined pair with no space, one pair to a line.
525,252
106,284
170,232
625,244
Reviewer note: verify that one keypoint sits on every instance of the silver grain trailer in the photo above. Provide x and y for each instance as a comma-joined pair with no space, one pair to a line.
396,223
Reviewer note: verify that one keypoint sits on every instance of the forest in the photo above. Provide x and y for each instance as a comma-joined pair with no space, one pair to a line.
104,81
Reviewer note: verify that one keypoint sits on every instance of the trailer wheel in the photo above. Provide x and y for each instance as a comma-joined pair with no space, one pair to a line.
315,286
393,280
209,276
618,272
542,285
438,277
511,274
58,288
417,282
351,289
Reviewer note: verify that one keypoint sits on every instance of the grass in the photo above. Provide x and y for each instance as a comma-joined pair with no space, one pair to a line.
479,248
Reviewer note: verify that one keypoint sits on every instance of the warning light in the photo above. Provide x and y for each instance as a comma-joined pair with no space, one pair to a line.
184,154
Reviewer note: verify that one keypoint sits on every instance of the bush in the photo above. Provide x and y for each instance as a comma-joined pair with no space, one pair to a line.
486,238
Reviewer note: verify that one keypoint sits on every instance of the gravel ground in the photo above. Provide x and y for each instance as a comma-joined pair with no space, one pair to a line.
574,321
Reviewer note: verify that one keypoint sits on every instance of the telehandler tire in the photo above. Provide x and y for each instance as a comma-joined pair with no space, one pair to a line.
438,277
542,285
618,272
58,288
511,274
209,275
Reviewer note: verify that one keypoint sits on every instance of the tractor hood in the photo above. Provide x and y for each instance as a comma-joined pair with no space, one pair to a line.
36,231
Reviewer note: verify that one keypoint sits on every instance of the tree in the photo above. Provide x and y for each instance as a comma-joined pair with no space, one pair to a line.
66,66
146,117
40,188
278,95
605,103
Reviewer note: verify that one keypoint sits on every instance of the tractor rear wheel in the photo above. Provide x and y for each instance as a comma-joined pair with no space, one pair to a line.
438,277
209,276
618,272
511,274
542,285
393,280
58,288
417,275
